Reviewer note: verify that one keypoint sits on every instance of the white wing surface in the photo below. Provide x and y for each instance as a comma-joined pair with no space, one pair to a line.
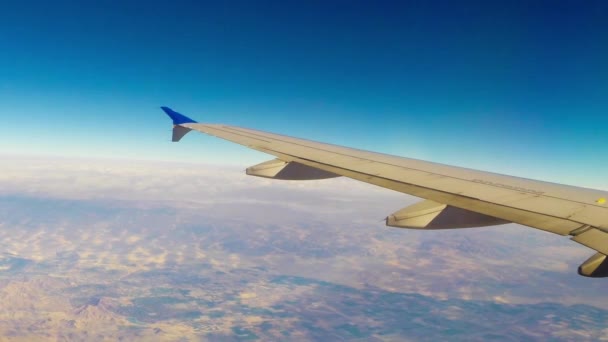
455,197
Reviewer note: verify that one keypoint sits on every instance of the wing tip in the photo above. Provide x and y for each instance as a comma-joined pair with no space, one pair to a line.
177,118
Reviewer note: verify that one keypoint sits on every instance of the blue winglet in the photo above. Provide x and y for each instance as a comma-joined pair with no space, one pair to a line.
177,117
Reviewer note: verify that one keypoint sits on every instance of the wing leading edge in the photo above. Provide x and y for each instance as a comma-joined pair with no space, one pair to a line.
456,197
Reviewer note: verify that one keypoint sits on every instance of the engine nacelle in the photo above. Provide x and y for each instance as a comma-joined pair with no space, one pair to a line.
278,169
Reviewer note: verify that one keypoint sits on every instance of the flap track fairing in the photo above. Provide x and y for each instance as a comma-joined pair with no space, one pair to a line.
432,215
279,169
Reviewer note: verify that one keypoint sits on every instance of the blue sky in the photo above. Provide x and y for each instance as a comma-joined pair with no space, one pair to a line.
514,87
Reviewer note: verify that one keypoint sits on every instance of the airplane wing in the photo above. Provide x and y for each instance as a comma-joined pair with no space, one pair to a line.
455,197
